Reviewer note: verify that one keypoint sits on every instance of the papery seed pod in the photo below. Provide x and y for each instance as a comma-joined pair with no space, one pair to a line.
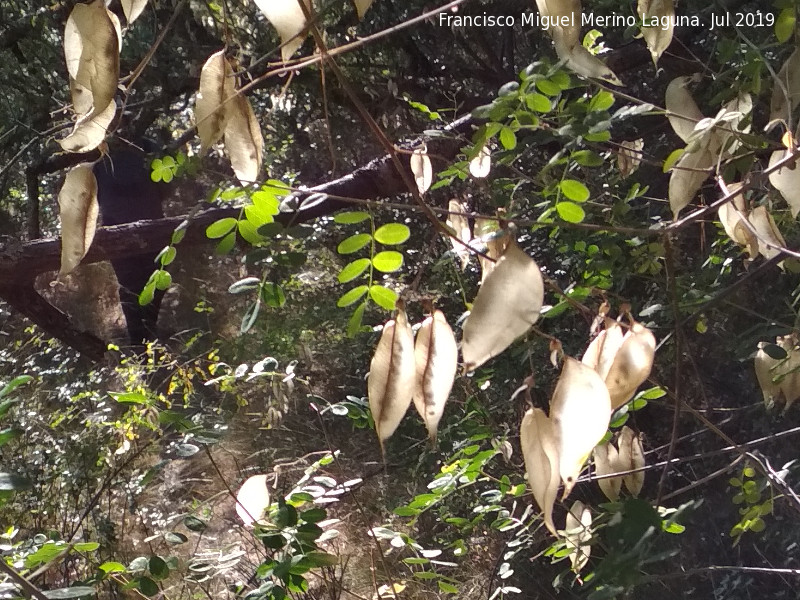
765,366
539,450
252,499
606,462
288,18
632,364
78,211
631,456
392,375
436,358
580,410
577,532
507,305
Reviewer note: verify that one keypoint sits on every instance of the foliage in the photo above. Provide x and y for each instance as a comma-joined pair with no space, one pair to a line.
670,202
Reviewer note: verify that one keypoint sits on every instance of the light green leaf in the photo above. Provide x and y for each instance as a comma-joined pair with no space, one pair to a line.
383,297
112,567
349,218
352,296
354,324
353,270
354,243
574,190
392,234
673,157
570,212
508,139
249,233
220,228
537,102
603,100
548,87
785,24
388,261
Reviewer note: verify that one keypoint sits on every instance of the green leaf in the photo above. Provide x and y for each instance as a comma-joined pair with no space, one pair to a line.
266,202
785,24
148,587
508,139
166,256
354,323
388,261
314,515
354,243
570,212
163,279
603,100
383,296
226,244
86,546
350,218
353,270
538,102
257,216
392,234
447,588
112,567
158,568
179,233
174,538
6,405
587,158
352,296
321,559
653,393
574,190
220,228
548,87
272,295
6,435
14,384
129,397
673,158
192,523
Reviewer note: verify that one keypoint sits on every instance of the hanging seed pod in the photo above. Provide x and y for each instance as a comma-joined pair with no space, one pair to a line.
631,456
507,304
577,532
606,462
392,375
580,409
632,364
537,439
252,500
603,350
765,366
436,358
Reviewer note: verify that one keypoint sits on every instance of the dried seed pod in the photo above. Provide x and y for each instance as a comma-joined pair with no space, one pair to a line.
577,532
580,409
392,375
436,358
606,462
632,364
631,456
537,439
507,304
